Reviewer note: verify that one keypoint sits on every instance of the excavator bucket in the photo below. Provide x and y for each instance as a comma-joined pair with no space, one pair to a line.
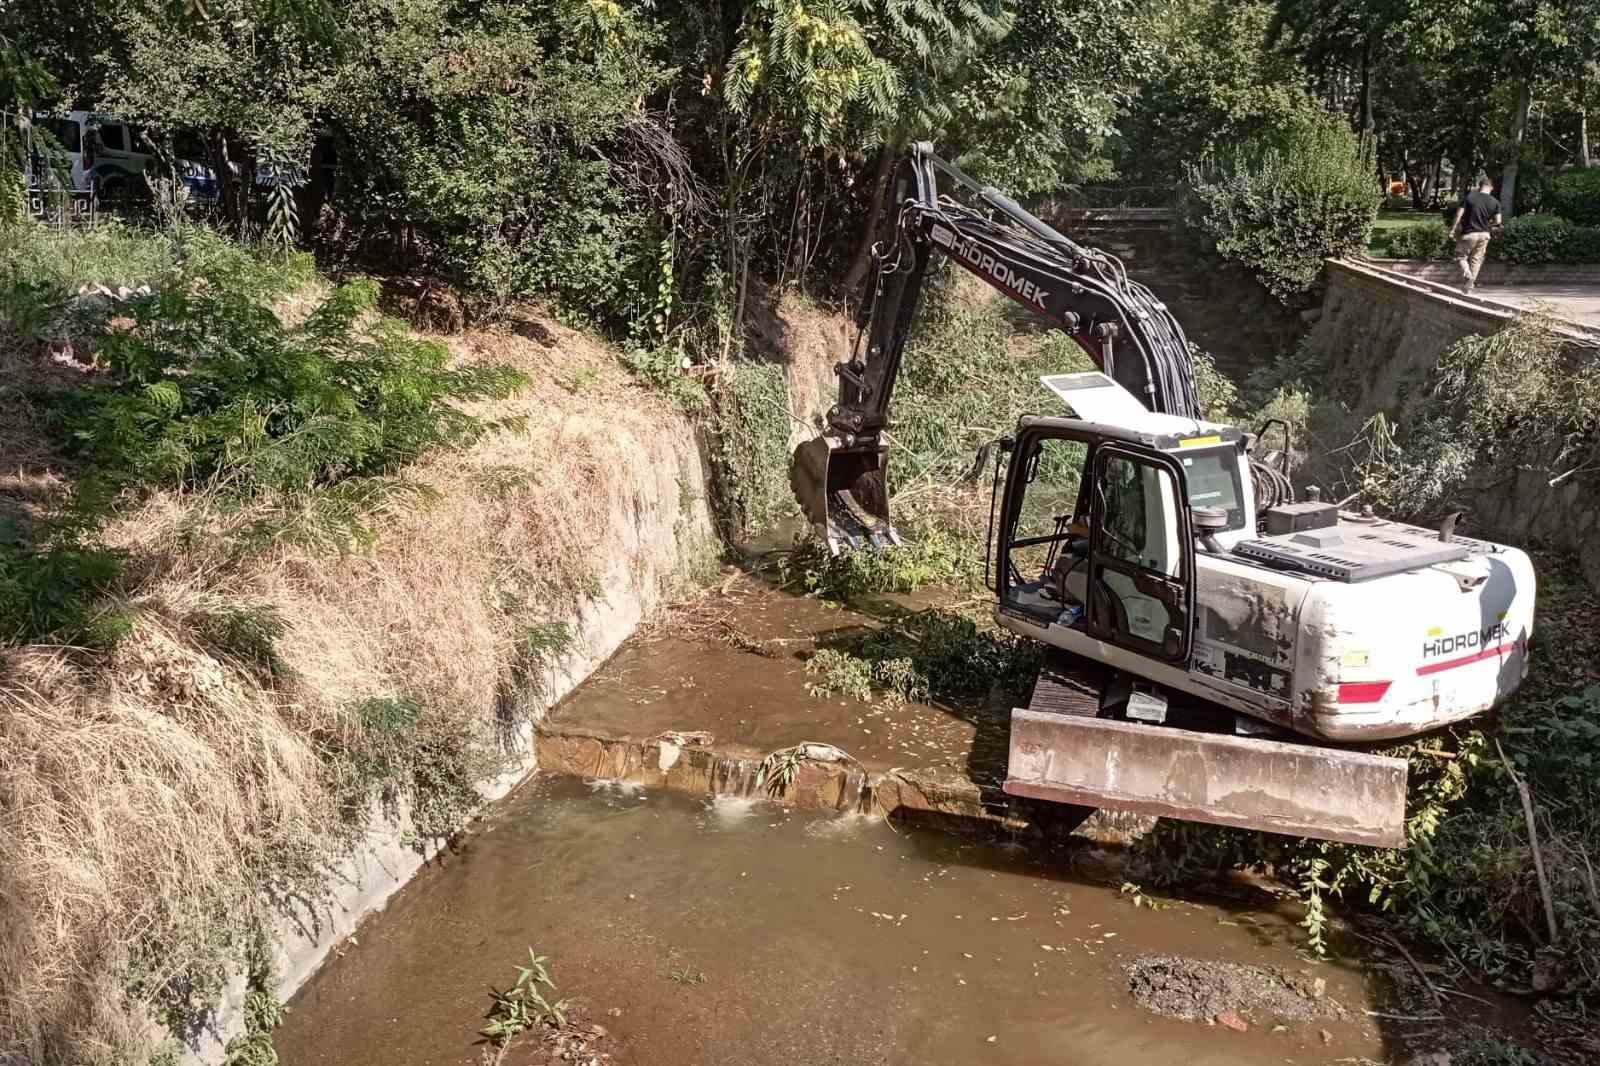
844,492
1062,751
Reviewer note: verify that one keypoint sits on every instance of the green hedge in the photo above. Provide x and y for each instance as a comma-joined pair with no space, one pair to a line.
1422,240
1575,196
1525,239
1546,239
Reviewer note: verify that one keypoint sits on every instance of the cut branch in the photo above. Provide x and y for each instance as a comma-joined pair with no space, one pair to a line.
1533,841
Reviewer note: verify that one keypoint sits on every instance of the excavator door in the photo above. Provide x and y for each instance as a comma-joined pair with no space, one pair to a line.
1141,554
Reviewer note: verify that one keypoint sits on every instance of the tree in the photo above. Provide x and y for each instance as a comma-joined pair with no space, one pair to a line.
1337,38
1531,44
1284,202
251,75
1216,82
1033,110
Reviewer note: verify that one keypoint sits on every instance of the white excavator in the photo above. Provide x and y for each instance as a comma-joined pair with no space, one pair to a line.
1217,651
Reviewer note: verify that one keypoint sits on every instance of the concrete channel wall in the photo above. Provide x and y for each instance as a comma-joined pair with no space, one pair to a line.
660,518
1381,331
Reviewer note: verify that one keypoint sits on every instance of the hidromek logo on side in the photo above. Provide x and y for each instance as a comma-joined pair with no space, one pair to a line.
1472,638
982,260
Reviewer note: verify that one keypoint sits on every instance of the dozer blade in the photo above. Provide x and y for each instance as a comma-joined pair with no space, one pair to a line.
844,492
1251,783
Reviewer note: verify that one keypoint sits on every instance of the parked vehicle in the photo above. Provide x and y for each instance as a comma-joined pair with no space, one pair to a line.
110,156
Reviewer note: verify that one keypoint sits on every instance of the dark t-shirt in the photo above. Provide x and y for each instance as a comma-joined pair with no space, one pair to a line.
1480,211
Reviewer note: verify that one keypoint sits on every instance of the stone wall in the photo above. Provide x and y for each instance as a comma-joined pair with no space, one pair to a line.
1381,332
1377,328
1495,273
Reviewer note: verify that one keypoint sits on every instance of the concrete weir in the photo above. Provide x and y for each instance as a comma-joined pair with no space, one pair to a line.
933,796
682,711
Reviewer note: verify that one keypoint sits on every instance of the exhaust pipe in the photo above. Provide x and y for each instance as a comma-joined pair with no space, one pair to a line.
843,490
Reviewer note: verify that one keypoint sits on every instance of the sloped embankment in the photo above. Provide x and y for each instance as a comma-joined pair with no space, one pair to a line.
194,805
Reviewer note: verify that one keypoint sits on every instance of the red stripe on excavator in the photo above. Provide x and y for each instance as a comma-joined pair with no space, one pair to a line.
1466,660
1362,691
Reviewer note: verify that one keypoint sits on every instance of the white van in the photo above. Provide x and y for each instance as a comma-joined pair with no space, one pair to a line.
106,154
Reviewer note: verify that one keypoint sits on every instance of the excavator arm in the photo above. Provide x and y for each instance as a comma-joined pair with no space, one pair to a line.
840,478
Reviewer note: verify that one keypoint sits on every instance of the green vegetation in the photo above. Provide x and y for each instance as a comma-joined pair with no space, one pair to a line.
1546,239
1284,202
290,432
262,1014
1525,239
1492,408
1420,240
844,674
943,654
1575,196
684,975
526,1004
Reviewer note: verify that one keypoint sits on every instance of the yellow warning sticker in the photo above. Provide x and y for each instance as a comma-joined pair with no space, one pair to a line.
1435,631
1199,442
1356,658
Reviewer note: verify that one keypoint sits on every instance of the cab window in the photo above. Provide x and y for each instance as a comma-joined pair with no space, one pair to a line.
1138,505
1213,480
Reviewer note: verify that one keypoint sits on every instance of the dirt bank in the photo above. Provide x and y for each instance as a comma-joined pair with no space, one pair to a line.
180,792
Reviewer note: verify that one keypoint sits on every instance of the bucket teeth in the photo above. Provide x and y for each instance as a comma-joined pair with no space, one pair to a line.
844,493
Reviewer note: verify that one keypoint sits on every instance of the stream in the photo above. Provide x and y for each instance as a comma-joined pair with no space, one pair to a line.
719,930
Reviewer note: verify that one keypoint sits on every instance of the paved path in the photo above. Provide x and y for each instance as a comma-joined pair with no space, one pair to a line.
1576,303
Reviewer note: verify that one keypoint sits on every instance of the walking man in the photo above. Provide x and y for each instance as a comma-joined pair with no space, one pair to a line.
1477,213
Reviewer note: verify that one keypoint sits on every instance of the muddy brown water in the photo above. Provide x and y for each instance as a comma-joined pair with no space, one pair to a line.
821,938
683,676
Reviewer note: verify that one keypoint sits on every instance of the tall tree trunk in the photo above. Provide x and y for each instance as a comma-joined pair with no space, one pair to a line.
1368,123
867,232
1583,115
1519,125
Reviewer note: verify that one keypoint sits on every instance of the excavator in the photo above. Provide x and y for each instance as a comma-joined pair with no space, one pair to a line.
1216,650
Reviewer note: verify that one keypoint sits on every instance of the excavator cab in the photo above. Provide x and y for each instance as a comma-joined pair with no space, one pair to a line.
1095,534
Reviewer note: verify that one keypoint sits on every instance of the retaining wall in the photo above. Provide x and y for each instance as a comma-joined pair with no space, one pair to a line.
656,522
1494,272
1381,331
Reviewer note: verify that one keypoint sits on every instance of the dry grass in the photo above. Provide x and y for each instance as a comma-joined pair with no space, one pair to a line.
148,795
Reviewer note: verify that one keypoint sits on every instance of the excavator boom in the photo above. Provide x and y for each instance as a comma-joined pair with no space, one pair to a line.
841,477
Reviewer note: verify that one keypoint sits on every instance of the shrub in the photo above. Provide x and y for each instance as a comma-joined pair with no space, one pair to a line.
515,165
211,388
1532,239
1283,203
1421,240
1575,196
1493,406
1582,245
